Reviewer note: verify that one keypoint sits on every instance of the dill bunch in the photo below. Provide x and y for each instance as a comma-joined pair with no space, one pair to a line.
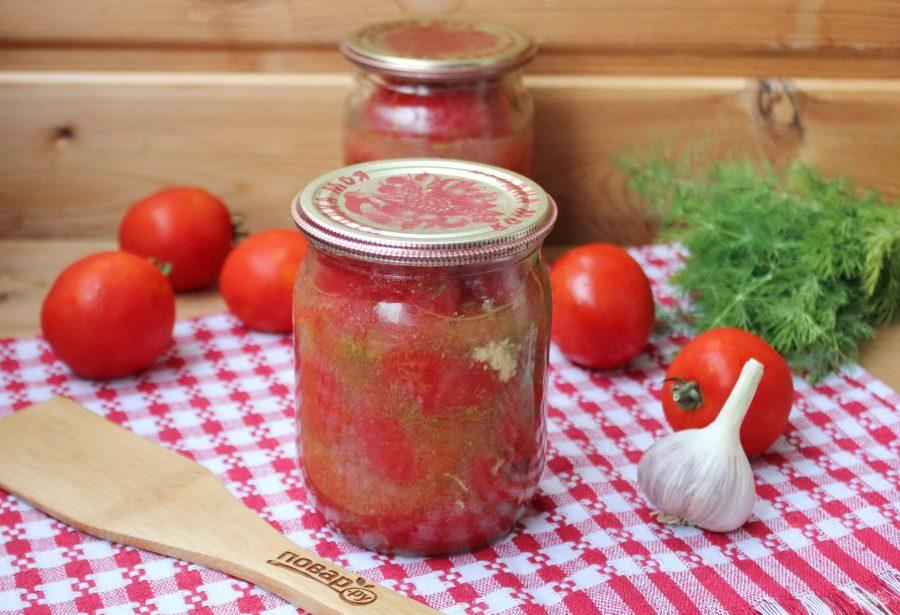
803,261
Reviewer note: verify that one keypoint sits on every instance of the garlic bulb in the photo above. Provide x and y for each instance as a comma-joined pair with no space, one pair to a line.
702,476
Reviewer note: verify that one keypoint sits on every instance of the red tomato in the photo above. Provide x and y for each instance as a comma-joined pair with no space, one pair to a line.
706,370
257,279
602,306
109,315
186,227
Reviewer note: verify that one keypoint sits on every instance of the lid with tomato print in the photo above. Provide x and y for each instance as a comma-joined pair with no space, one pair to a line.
424,211
438,48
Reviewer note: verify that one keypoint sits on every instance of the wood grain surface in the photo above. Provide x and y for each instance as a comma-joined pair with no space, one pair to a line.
28,268
626,62
856,27
76,148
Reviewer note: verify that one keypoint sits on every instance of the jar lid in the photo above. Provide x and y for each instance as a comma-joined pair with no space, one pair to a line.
424,211
438,48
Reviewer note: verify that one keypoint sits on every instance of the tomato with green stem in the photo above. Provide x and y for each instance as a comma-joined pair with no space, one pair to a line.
109,315
187,228
701,377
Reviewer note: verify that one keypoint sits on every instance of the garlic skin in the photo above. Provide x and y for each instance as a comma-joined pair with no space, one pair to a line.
702,476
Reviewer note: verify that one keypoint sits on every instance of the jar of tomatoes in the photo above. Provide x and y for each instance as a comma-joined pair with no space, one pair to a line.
421,329
444,88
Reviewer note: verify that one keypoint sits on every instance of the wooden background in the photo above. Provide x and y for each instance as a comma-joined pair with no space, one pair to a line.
104,101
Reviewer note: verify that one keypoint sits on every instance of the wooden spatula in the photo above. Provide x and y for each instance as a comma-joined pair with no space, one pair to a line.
109,482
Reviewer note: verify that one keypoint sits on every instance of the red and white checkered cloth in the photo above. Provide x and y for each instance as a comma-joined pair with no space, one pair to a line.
825,535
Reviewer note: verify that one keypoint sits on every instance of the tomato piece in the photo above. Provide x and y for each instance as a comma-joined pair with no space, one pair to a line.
109,315
322,407
333,277
436,296
492,289
443,385
602,306
445,114
383,283
188,228
257,279
498,483
387,449
701,377
522,442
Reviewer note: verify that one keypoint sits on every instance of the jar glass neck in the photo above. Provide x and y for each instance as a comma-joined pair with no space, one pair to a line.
414,85
528,259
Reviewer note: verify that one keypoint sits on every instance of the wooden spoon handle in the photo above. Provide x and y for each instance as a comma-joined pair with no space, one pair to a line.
313,583
108,482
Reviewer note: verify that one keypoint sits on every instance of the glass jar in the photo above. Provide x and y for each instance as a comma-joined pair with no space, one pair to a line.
421,323
439,88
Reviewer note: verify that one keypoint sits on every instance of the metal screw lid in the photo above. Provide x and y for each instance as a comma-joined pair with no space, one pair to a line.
424,211
438,48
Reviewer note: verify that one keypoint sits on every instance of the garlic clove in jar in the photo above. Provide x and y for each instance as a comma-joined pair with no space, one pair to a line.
702,476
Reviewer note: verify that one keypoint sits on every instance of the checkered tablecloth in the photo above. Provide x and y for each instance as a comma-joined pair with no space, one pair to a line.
825,534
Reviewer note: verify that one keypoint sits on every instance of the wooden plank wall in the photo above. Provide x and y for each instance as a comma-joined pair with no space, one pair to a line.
102,101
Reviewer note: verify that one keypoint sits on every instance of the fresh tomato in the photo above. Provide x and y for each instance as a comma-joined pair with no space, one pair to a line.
186,227
602,306
257,279
702,375
109,315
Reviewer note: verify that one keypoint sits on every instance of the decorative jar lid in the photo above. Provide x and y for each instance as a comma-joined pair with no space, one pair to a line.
438,48
424,211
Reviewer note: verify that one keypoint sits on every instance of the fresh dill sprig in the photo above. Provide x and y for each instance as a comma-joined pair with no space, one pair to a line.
803,261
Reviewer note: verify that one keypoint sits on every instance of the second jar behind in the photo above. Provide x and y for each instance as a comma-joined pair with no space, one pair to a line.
439,88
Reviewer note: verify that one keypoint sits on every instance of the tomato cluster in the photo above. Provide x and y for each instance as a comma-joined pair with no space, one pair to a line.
603,316
113,313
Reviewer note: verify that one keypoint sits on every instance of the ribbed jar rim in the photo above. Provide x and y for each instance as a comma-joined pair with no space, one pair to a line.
424,211
438,48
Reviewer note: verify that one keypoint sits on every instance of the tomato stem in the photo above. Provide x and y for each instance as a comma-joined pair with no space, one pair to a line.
165,267
685,393
238,228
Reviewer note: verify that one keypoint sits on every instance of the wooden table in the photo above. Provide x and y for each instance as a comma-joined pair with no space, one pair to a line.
28,268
